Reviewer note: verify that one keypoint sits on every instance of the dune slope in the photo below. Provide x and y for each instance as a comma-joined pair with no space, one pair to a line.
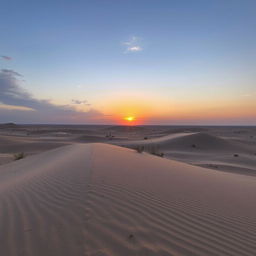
201,141
97,199
9,144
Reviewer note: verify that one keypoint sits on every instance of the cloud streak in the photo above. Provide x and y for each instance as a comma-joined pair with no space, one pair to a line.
15,102
134,49
133,45
6,57
80,102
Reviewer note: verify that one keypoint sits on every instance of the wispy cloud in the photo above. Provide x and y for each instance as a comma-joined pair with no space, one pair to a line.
6,57
133,45
134,49
250,94
80,102
16,101
11,107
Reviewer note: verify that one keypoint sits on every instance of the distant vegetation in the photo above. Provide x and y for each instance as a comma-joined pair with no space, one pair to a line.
154,150
151,149
139,149
109,136
19,156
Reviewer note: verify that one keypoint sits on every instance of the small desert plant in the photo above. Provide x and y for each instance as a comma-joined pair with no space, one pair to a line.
236,155
155,151
145,138
151,149
161,154
139,149
213,165
19,156
193,145
131,236
109,136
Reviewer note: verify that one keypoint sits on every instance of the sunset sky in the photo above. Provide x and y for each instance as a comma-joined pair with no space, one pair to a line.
103,62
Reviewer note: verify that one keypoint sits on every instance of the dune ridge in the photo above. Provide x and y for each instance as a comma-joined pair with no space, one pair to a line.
203,149
97,199
199,141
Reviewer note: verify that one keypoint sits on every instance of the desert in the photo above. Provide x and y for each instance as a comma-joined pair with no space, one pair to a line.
77,191
127,128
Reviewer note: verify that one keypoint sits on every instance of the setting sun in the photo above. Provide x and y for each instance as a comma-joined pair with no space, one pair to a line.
129,118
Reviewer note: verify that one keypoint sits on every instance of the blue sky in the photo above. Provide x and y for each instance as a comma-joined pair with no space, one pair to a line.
189,52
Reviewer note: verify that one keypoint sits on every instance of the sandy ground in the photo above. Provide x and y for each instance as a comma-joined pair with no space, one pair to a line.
230,149
76,194
98,199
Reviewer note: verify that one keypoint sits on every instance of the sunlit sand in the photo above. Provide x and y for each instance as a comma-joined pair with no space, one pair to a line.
100,199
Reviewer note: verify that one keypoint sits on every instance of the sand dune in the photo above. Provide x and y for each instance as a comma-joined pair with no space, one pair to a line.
210,151
160,140
97,199
91,138
197,141
201,141
94,138
9,144
203,149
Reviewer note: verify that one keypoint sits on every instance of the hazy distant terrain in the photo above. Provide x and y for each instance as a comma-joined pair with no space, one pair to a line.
217,147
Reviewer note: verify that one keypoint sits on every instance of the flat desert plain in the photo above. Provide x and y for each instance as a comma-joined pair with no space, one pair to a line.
135,190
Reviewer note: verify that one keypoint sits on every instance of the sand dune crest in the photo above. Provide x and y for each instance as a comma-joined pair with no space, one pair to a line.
98,199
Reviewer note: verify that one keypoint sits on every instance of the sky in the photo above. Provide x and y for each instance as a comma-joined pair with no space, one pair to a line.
100,61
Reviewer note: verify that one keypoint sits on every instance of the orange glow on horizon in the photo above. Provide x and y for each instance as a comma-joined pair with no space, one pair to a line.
129,108
129,118
139,109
